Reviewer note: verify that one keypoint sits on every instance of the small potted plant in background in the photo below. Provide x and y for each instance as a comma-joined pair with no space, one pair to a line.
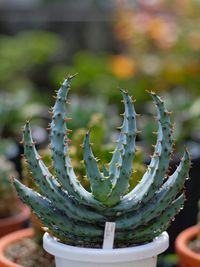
188,245
75,218
13,214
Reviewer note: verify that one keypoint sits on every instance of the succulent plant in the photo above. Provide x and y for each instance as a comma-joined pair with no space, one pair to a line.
8,204
76,216
103,146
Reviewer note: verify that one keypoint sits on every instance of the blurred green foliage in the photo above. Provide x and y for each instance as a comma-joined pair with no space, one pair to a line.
24,59
8,197
94,75
168,260
25,54
163,40
15,108
81,108
158,48
101,74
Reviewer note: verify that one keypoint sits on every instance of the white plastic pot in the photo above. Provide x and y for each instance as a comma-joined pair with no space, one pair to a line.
138,256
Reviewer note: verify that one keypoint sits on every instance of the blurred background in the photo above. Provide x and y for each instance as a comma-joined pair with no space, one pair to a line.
137,45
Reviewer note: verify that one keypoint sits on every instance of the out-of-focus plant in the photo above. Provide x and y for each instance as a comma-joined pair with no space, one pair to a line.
24,55
24,61
15,107
8,197
168,260
94,73
163,40
82,107
102,73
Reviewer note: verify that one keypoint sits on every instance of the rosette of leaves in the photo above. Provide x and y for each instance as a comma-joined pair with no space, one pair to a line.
77,216
103,146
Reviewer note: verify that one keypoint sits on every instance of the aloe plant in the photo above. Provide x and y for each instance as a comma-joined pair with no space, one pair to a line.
77,216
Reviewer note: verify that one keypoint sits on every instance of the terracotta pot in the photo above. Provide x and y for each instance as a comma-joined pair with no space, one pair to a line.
9,239
15,222
187,258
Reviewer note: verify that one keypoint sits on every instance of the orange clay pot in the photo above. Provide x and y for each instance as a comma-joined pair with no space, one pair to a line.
15,222
9,239
187,258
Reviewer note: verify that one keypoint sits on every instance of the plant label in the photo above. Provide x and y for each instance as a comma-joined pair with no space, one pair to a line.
109,234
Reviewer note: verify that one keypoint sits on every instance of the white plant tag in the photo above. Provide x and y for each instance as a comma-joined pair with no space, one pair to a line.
109,234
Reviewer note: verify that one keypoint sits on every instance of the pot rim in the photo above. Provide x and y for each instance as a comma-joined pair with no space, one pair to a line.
152,249
182,240
9,239
22,215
